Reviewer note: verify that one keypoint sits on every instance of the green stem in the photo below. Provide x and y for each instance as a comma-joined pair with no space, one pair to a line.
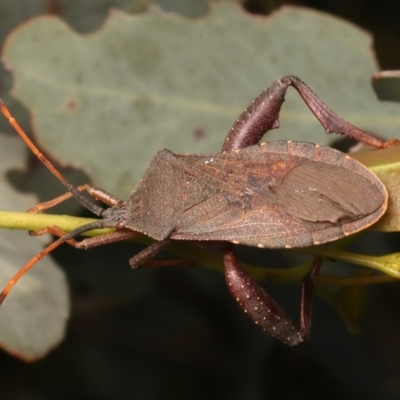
388,264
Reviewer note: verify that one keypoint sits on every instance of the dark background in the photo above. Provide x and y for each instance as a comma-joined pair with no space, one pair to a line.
183,336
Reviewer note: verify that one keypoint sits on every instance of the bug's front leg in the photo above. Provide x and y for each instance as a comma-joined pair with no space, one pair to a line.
263,309
263,115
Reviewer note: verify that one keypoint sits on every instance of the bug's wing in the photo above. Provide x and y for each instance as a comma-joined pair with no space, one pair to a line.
309,203
316,192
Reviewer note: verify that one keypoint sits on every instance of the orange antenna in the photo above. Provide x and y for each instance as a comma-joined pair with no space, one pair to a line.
27,267
64,237
72,188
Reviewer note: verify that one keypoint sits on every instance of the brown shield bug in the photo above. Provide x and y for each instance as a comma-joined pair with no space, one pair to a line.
280,194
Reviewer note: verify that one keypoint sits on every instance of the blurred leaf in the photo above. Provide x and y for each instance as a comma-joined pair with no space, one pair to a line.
12,13
188,8
86,16
350,302
33,316
387,85
110,100
191,8
83,16
385,163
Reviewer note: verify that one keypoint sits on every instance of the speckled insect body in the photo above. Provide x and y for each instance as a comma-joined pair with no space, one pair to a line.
275,195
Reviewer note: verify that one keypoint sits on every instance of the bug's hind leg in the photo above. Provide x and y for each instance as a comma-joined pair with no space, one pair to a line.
263,309
257,304
263,115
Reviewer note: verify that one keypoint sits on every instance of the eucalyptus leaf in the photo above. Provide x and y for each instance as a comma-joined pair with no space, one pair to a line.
110,100
385,163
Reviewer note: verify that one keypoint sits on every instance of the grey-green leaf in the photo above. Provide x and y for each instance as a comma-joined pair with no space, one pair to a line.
108,101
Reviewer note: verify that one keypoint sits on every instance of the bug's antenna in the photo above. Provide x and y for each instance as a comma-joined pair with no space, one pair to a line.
67,237
27,267
95,209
